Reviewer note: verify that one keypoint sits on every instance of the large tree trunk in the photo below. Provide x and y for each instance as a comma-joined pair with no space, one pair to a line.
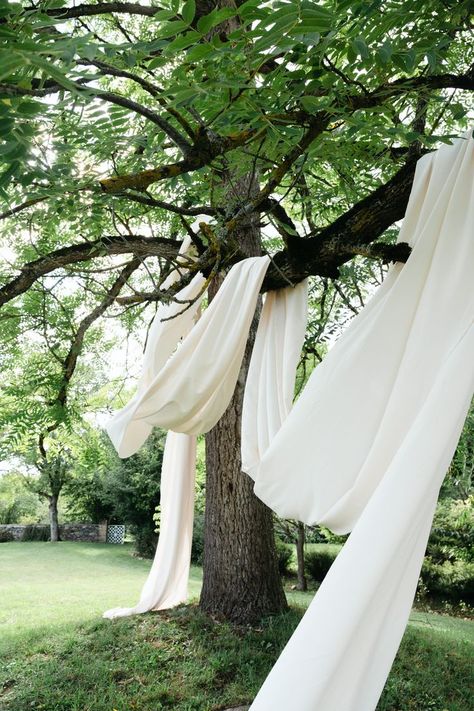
53,518
241,578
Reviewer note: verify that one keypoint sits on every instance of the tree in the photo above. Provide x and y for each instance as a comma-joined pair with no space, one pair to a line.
53,471
17,504
119,121
123,491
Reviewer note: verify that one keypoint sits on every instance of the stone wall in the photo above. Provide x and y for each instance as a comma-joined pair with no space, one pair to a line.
86,532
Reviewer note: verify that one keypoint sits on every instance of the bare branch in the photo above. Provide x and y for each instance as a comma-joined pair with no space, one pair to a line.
178,209
70,361
136,244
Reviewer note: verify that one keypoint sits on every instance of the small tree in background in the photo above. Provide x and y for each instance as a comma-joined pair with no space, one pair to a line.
53,470
120,490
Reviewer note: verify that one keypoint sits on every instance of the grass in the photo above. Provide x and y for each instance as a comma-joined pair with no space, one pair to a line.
48,589
59,655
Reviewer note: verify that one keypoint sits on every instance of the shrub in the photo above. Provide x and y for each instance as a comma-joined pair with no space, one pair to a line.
284,554
197,548
317,563
145,539
6,536
36,533
451,580
452,534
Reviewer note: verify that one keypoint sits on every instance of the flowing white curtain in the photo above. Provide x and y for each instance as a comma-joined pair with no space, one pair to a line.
366,446
189,375
167,582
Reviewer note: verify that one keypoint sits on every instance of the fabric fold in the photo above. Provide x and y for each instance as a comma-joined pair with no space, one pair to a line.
366,447
167,582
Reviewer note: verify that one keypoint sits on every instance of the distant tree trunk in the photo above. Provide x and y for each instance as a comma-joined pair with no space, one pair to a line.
53,518
302,584
241,578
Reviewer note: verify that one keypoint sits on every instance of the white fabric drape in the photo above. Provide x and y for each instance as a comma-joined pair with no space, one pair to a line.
191,390
367,445
167,582
270,388
186,387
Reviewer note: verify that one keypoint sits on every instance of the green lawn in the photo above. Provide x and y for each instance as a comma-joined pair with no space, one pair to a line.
59,655
46,589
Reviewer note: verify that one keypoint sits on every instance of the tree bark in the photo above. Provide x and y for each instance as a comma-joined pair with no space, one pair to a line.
53,518
241,579
300,541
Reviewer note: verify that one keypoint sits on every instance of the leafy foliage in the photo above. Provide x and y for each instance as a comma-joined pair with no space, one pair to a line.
17,503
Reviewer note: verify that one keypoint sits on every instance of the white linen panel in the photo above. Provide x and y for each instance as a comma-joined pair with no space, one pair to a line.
365,447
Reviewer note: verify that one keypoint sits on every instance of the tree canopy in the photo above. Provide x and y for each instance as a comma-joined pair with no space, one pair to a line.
121,123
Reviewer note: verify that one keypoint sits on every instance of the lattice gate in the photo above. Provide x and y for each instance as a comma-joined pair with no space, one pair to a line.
115,534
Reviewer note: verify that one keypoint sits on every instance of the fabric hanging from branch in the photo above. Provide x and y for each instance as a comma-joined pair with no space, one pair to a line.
367,444
169,394
167,582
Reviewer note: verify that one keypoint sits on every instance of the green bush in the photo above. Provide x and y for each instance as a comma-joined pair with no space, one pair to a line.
452,580
6,536
284,554
448,569
317,563
452,534
197,548
145,539
36,533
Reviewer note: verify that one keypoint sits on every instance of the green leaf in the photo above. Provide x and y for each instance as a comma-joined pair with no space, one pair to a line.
360,48
170,29
199,52
182,42
9,63
206,23
310,103
189,11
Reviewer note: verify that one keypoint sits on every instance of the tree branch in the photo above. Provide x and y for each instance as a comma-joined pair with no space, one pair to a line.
70,361
135,244
178,209
348,235
111,98
152,89
101,8
206,147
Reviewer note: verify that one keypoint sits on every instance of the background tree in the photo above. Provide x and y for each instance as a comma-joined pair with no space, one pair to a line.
121,123
17,504
54,468
123,491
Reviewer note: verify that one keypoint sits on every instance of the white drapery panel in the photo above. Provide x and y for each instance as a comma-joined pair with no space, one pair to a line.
270,388
189,376
167,582
190,391
368,443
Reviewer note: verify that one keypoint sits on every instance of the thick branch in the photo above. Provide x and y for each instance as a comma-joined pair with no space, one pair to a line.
102,8
206,148
337,243
136,244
